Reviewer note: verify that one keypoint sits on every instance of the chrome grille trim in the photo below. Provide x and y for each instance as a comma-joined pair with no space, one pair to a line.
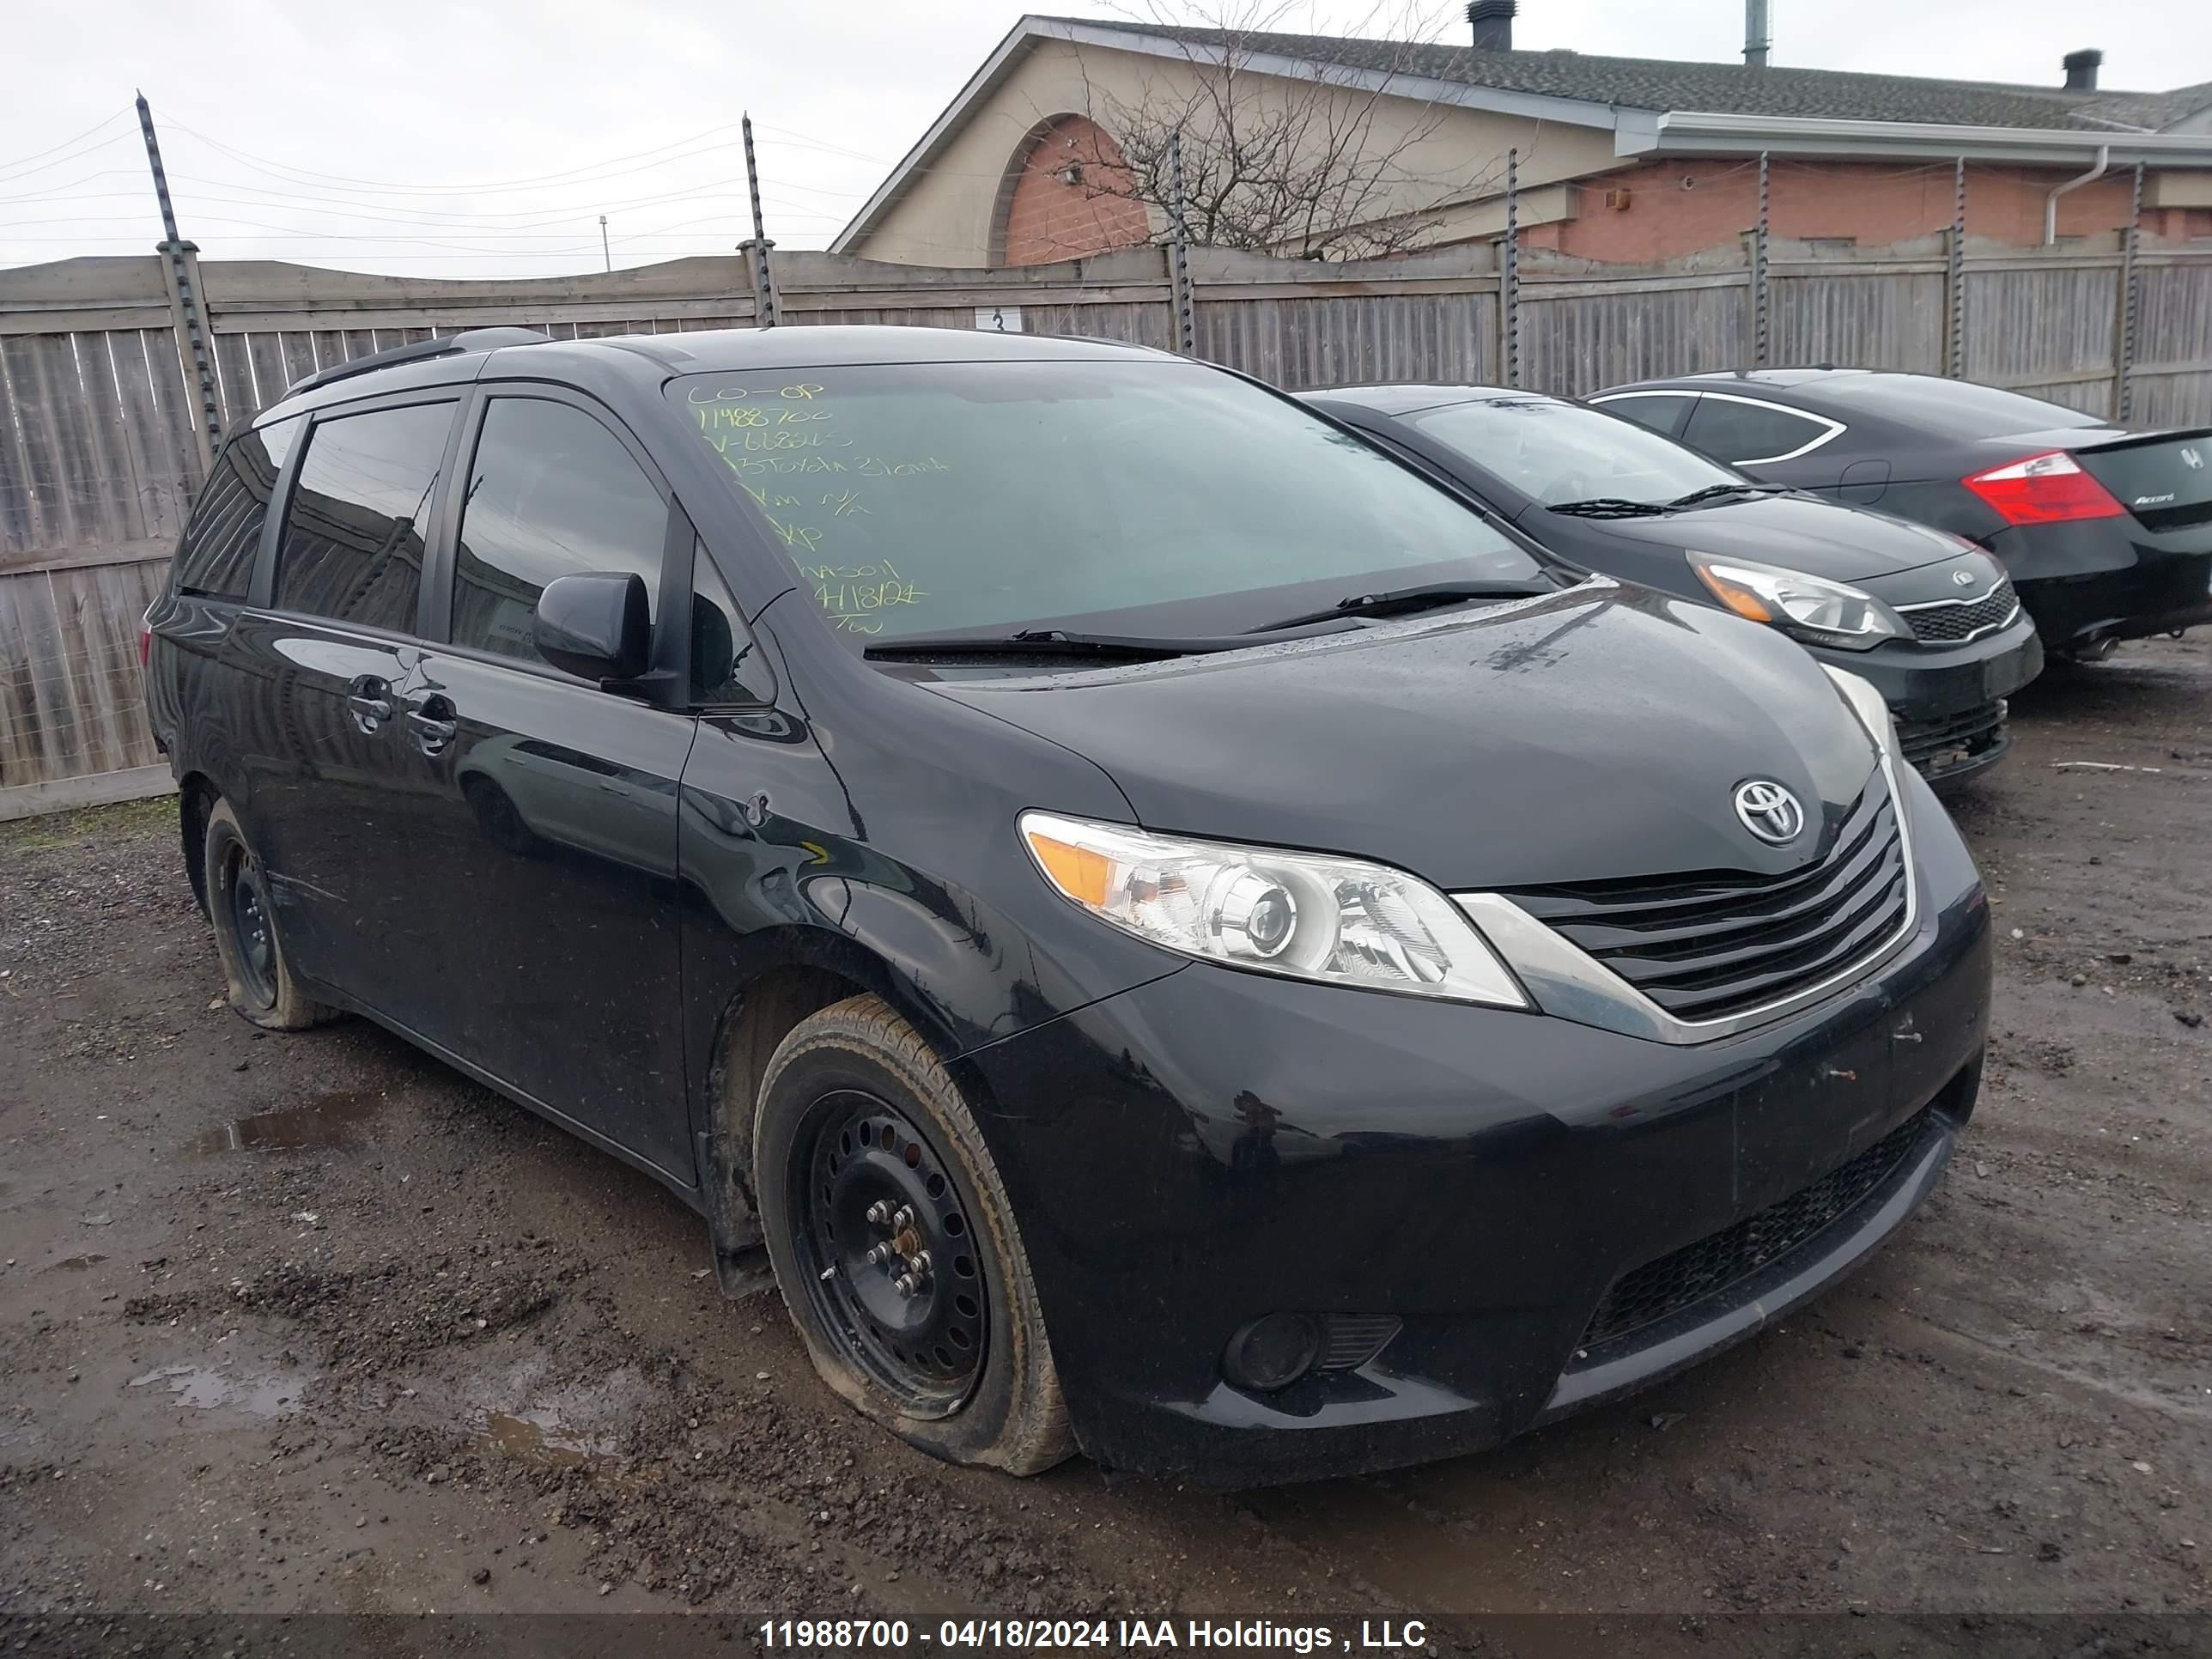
1569,983
2001,590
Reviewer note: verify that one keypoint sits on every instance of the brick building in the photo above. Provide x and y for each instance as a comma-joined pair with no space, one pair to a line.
1620,160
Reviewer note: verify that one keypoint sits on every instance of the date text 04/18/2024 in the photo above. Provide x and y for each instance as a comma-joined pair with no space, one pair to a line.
1117,1635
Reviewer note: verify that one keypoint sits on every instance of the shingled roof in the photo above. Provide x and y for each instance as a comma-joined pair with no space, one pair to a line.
1662,84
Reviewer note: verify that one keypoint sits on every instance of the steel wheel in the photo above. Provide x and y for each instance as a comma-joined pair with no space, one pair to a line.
249,923
890,1260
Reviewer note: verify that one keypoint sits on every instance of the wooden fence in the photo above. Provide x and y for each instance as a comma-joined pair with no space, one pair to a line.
102,443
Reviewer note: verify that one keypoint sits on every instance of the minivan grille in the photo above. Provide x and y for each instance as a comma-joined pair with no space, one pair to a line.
1719,1260
1707,944
1947,622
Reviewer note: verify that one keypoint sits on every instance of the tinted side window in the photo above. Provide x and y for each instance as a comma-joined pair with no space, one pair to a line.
216,558
1662,412
353,535
551,493
726,658
1739,432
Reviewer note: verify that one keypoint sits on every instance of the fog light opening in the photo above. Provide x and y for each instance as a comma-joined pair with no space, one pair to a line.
1272,1352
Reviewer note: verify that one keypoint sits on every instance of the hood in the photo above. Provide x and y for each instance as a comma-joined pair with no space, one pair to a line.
1821,538
1594,734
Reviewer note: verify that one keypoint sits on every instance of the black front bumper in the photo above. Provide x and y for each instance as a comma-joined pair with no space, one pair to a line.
1948,701
1214,1147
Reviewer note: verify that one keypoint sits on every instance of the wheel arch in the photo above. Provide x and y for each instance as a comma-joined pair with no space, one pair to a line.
794,972
196,798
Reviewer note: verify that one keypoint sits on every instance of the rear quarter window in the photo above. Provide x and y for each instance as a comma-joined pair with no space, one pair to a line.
214,559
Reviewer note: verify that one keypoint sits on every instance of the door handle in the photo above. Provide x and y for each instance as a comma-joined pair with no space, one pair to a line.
369,699
435,722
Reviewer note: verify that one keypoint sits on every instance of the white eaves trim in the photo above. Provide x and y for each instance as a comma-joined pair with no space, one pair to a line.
1687,132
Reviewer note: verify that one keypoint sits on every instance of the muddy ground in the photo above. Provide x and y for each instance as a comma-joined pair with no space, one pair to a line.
310,1324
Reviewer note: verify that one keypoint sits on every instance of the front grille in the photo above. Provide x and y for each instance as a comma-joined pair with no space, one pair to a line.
1934,747
1707,944
1719,1260
1948,622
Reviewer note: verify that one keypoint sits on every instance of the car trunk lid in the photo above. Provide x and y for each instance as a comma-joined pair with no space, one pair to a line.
2163,478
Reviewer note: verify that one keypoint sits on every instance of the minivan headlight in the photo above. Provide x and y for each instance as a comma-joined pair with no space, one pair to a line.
1811,608
1342,921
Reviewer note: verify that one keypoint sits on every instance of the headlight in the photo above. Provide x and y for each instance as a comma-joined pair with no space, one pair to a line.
1338,920
1811,608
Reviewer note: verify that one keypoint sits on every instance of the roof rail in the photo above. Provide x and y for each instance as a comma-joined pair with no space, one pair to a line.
470,339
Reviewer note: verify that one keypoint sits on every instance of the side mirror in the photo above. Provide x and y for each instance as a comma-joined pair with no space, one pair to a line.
597,627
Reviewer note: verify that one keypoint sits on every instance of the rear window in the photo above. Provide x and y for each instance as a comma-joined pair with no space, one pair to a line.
353,534
1952,408
215,558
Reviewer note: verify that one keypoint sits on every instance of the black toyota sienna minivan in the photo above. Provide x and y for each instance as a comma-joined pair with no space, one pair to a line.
1176,936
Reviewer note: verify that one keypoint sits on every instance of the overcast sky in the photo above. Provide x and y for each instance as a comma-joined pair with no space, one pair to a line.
427,137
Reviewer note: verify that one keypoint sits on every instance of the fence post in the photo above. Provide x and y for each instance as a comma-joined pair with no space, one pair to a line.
193,356
2123,391
1183,302
1509,274
756,247
1760,324
1955,278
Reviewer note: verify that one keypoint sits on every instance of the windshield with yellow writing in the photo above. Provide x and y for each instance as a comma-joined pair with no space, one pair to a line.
1146,496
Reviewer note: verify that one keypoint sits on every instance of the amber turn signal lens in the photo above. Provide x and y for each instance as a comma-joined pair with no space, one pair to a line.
1076,870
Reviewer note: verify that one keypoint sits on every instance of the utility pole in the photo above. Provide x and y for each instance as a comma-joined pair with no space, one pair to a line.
1181,296
606,252
756,250
185,299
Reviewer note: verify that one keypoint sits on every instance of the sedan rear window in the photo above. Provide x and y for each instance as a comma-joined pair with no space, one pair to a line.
1554,451
1147,497
1953,409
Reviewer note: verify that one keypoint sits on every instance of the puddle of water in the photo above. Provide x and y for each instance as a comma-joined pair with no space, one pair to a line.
76,1264
541,1440
274,1396
328,1120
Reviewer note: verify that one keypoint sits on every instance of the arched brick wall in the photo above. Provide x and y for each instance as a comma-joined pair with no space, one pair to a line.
1066,197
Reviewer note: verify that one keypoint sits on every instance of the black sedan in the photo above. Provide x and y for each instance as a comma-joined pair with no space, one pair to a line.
1930,620
2106,533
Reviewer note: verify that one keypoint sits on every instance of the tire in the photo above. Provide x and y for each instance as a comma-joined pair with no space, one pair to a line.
257,977
856,1110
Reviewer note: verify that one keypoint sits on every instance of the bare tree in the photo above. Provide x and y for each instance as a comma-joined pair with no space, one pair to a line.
1341,161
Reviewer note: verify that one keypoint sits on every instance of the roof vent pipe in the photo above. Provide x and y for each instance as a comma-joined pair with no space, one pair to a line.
1492,23
1757,39
2081,69
2050,202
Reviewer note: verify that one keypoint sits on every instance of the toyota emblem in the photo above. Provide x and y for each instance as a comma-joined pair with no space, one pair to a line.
1769,812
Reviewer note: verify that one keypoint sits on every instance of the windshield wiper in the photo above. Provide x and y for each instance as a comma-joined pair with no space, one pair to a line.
1612,507
1409,599
1714,492
1055,643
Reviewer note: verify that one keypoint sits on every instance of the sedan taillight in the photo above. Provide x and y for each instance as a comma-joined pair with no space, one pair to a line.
2047,488
145,641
